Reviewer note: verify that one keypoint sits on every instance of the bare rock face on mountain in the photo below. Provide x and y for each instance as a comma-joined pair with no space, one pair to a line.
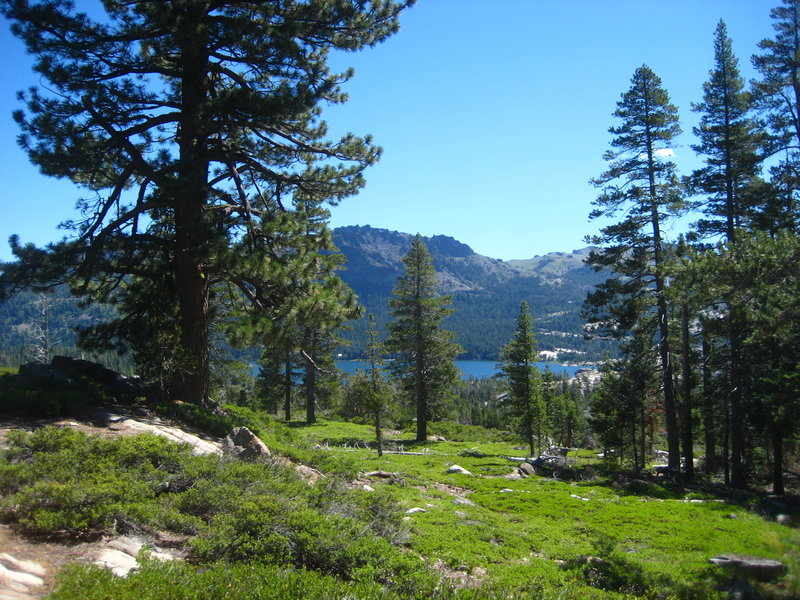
486,292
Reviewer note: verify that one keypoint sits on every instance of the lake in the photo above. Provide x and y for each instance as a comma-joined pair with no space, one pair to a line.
476,369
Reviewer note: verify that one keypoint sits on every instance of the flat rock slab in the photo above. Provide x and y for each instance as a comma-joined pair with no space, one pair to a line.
763,569
198,445
19,579
118,562
24,566
119,554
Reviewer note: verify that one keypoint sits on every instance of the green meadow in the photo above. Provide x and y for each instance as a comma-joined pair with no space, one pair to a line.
256,530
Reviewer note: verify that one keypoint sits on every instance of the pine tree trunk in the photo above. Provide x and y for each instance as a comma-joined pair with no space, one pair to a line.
643,437
311,386
726,442
737,468
422,408
688,438
709,426
670,410
568,442
192,234
419,383
667,379
378,433
634,447
777,460
287,387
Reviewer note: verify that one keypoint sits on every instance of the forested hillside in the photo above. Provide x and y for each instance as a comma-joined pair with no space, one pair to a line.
35,325
486,296
486,292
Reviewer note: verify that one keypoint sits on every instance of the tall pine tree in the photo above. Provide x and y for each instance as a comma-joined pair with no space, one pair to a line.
191,127
729,142
640,184
424,353
777,95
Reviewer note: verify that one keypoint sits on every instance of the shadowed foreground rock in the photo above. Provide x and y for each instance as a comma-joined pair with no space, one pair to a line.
64,370
762,569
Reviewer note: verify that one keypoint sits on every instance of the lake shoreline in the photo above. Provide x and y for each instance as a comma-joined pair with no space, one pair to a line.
476,369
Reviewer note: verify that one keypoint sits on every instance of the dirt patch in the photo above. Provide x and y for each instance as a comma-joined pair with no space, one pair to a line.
50,556
452,489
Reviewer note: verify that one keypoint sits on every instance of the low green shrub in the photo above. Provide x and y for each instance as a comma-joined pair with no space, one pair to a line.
59,482
197,416
262,532
253,581
467,433
180,581
46,400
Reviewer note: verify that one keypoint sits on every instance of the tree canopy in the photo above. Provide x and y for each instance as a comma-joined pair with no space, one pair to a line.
194,130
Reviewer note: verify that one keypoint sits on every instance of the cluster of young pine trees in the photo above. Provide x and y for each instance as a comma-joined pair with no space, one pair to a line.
708,323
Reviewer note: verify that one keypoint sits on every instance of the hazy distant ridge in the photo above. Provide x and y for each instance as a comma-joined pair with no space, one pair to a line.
486,291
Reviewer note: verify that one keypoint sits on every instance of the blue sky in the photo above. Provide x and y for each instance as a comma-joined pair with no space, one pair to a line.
493,115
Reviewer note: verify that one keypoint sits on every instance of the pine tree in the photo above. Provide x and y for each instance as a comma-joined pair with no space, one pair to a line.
424,353
729,141
641,183
276,377
525,398
777,96
190,126
378,398
769,267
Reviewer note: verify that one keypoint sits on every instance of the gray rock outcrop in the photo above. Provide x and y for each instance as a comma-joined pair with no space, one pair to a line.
245,445
458,469
526,469
19,579
742,565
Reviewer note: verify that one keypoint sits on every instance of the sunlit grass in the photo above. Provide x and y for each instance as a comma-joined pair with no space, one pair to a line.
495,532
535,525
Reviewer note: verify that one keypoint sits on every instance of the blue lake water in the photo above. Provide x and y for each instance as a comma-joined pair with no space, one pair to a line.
476,369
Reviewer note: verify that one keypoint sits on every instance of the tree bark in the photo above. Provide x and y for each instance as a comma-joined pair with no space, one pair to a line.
777,460
192,234
667,376
688,438
708,410
311,381
668,385
287,386
422,401
736,435
378,433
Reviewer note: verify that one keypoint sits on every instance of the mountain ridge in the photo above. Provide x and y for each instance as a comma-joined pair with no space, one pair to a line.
486,292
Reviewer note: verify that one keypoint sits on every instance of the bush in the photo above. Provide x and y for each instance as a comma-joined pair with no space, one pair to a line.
59,482
197,416
467,433
46,399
